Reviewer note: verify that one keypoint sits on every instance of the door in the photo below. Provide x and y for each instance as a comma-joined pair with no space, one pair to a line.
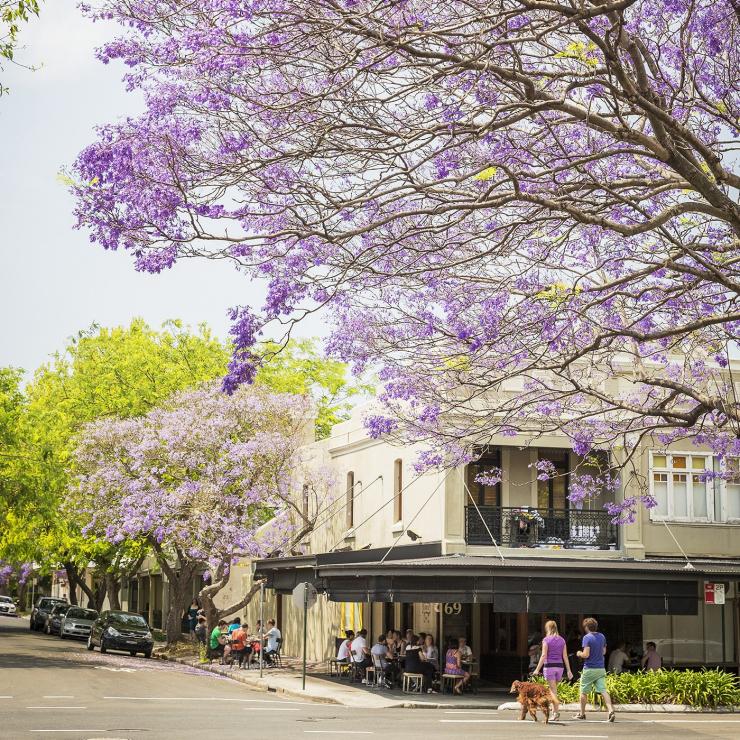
552,496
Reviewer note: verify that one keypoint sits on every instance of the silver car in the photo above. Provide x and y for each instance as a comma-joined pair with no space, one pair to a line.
77,622
7,606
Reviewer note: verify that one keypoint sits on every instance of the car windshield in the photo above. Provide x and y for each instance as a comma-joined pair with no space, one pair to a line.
50,603
6,599
128,620
82,614
61,608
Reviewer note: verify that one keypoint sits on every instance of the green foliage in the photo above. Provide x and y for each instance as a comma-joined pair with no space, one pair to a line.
12,14
123,371
705,688
300,368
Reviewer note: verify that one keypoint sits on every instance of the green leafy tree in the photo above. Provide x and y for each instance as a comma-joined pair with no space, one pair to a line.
12,14
122,372
300,368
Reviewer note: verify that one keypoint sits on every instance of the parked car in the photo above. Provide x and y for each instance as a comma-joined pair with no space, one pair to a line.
7,606
116,630
41,610
54,619
77,622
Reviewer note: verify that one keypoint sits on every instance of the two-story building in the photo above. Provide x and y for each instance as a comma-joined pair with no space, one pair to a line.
443,554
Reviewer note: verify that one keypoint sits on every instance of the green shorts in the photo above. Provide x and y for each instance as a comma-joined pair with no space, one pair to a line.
593,678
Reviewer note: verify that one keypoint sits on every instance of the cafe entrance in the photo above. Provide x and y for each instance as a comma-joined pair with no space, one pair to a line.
506,638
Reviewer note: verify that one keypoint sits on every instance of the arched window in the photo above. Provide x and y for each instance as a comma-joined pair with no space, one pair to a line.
398,490
350,503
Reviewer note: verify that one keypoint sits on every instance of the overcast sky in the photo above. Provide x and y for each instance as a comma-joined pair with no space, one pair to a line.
53,282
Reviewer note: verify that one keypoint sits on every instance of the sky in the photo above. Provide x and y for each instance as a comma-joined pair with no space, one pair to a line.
53,282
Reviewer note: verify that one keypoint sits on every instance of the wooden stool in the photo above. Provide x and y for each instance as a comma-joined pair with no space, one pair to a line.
449,680
412,683
370,670
336,667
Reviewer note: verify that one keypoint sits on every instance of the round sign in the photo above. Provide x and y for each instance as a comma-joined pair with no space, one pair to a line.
300,598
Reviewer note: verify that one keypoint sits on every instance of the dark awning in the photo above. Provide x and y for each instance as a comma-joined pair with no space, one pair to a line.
537,585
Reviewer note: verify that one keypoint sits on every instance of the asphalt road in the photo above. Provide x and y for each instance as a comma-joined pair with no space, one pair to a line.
54,688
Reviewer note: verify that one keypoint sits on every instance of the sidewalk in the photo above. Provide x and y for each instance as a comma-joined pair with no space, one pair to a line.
287,681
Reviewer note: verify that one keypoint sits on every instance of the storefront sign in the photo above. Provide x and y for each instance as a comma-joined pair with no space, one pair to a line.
714,593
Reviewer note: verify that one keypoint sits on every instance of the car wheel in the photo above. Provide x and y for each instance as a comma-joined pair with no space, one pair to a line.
30,624
132,653
90,645
61,635
103,648
148,654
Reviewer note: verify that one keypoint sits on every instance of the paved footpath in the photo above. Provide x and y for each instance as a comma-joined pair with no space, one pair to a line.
54,688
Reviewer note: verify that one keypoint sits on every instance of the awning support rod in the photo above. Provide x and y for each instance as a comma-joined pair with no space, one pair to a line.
490,534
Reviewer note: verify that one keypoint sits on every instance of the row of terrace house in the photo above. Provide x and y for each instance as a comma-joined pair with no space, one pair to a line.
441,553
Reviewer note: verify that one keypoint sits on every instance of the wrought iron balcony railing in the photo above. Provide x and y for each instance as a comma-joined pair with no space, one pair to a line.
529,527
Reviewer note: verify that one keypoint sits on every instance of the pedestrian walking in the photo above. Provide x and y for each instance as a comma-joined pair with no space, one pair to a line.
593,676
553,663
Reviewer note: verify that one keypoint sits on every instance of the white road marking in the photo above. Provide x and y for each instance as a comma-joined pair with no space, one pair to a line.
115,670
56,707
58,696
271,709
597,737
6,697
338,732
87,730
482,721
208,698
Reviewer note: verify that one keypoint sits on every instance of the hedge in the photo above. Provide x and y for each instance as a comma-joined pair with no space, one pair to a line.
705,688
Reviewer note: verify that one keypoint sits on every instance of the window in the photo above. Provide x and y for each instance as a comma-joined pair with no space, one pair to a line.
731,491
678,487
350,502
304,501
398,490
484,495
552,494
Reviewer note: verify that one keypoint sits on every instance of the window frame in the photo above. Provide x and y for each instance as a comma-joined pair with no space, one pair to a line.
723,492
670,471
350,499
397,490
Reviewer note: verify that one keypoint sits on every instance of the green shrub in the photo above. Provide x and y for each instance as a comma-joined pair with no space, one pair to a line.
705,688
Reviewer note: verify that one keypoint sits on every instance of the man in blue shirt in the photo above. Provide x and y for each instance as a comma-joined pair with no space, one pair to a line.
593,650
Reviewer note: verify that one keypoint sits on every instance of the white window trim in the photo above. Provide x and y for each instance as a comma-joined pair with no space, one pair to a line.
723,497
690,472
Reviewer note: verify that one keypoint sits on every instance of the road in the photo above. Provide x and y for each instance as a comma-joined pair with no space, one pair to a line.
54,688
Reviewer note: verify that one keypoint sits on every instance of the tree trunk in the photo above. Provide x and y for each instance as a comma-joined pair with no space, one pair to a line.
74,580
208,593
113,590
179,590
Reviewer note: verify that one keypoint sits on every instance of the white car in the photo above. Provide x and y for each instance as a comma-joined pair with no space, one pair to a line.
7,606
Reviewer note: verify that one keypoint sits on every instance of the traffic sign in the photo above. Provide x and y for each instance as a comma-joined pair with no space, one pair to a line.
714,593
304,595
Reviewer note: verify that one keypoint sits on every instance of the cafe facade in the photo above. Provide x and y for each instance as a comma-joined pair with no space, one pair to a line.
440,553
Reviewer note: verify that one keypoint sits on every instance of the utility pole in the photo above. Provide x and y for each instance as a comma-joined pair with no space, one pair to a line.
305,630
262,625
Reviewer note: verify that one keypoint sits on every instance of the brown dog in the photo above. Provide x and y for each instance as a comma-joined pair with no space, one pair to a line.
532,696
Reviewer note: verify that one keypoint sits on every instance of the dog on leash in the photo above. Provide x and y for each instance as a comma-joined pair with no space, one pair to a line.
532,696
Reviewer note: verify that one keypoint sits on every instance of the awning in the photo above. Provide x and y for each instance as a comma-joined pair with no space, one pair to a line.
536,585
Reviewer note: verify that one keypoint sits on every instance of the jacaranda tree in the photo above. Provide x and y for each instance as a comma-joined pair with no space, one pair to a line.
197,478
524,212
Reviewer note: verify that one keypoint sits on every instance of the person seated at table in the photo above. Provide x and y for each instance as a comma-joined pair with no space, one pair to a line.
453,666
416,664
390,643
380,652
201,630
360,652
430,653
218,640
240,649
273,638
397,641
343,654
466,654
235,624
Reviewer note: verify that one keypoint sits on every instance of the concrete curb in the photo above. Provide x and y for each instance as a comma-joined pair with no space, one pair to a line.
264,684
637,708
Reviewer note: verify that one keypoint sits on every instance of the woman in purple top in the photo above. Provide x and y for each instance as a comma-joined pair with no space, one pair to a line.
553,661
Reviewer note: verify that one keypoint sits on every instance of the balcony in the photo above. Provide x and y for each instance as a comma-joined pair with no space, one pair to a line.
540,528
